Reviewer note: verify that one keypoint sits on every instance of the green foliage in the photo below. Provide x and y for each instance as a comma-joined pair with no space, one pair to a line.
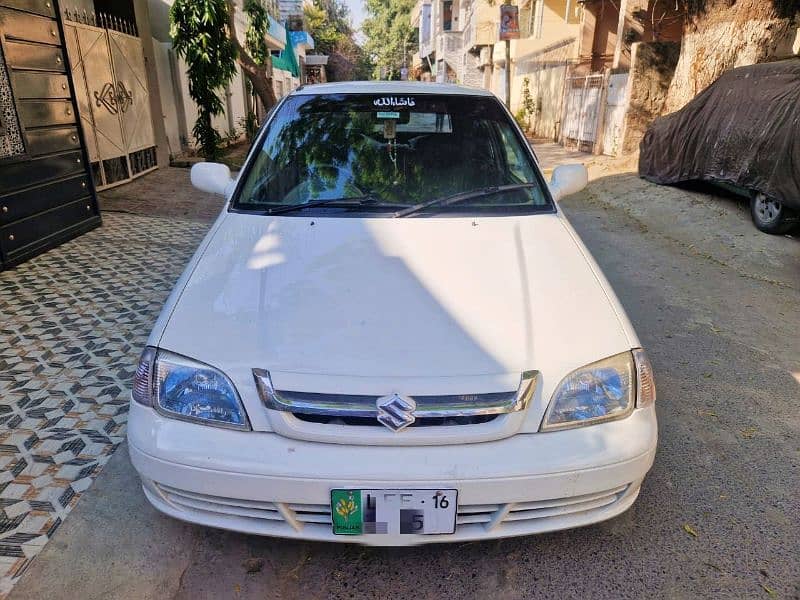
528,103
527,107
231,137
521,118
199,35
363,66
249,124
328,22
391,39
390,36
257,28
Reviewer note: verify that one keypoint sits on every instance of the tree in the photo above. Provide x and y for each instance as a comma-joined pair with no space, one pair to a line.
723,34
204,34
328,22
390,35
198,36
259,74
350,61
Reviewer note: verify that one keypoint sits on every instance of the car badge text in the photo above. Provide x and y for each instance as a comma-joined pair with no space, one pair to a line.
396,412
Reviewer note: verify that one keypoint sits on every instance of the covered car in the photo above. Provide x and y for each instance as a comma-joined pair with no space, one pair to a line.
742,131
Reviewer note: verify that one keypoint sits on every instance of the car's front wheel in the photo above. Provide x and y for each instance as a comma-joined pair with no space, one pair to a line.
770,215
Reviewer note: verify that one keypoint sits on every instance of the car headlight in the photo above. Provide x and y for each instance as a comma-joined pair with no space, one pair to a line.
186,389
606,390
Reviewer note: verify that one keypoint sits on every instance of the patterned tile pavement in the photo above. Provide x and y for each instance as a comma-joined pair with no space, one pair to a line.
72,323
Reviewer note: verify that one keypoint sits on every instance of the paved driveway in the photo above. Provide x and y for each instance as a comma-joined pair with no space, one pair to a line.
73,322
715,303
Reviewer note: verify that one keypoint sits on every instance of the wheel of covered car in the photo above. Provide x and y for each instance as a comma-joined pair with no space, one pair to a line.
770,215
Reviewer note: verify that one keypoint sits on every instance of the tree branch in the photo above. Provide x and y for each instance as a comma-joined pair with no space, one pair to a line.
260,76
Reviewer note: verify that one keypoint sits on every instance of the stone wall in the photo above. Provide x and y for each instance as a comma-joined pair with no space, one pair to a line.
652,67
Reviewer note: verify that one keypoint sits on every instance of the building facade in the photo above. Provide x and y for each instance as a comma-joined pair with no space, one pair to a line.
568,68
448,50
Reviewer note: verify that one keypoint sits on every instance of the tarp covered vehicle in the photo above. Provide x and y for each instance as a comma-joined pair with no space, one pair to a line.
744,131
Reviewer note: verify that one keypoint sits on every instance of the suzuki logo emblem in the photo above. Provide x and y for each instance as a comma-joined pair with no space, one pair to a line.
396,412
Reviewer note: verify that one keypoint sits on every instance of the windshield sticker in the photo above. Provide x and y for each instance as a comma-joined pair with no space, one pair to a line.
391,101
388,115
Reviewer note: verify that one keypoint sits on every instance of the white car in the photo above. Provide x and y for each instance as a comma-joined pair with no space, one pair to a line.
391,335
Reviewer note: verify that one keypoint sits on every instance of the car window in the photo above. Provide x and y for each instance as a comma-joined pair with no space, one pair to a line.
516,159
394,151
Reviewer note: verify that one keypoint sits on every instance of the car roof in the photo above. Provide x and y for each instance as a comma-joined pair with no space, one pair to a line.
389,87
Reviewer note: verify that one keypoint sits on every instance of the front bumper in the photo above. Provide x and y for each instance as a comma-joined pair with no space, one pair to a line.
263,483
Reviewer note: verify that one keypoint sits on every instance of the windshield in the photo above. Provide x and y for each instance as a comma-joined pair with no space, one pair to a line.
382,153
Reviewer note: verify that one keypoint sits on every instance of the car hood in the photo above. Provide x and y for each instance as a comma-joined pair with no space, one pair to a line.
336,304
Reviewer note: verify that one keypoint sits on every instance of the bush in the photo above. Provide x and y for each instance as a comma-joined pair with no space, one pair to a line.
521,117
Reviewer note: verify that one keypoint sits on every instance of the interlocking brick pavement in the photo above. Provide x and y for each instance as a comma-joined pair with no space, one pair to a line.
166,192
72,323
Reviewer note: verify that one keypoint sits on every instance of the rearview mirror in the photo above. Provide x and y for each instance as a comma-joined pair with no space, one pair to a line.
211,177
568,180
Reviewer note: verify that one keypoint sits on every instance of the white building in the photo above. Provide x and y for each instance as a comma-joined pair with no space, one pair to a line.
180,112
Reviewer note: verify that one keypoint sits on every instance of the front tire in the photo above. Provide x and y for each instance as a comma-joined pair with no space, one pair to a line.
770,215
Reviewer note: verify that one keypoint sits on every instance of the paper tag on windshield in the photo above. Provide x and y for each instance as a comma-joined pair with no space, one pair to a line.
388,115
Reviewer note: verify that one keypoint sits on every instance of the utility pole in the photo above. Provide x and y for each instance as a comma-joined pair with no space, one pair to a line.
508,74
509,29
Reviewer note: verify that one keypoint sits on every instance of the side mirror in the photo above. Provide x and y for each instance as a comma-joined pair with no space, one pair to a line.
211,177
567,180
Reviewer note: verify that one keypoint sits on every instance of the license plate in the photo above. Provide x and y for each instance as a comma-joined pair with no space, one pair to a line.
375,512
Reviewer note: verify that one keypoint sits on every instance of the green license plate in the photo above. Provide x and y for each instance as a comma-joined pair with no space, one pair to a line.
395,512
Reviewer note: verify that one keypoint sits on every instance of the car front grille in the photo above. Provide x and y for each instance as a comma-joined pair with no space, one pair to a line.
420,422
394,410
494,514
298,516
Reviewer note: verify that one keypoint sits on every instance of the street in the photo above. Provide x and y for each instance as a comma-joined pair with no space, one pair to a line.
715,304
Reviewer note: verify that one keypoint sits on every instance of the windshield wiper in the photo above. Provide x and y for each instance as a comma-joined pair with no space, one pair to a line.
462,196
343,202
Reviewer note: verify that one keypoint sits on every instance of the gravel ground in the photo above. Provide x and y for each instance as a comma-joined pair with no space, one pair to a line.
715,303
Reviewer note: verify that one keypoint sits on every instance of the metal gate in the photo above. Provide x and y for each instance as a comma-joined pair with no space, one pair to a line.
616,107
111,88
582,111
46,193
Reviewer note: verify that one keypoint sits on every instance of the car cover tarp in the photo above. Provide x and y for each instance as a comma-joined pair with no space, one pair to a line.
744,130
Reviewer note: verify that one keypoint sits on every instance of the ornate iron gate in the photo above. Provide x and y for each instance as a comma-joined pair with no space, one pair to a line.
111,88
